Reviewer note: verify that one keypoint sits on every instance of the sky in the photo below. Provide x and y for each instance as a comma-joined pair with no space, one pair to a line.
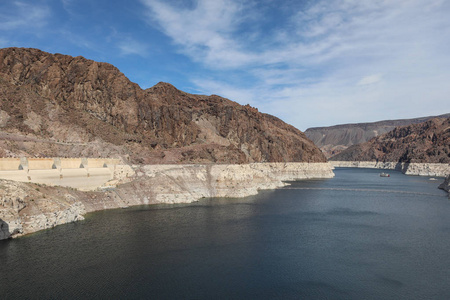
310,63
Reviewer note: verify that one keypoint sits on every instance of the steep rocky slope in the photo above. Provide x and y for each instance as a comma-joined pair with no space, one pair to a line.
58,105
427,142
334,139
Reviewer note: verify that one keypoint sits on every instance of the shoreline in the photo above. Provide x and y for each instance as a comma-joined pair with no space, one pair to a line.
29,207
415,169
411,169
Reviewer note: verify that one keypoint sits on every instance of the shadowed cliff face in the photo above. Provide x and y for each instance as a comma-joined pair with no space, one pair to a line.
427,142
58,105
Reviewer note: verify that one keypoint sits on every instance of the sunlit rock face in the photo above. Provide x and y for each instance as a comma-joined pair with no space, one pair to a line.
54,105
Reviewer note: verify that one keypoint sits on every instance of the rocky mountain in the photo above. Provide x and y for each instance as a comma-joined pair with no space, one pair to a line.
427,142
334,139
59,105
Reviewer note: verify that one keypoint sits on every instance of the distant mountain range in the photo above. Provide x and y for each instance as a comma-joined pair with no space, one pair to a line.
55,105
334,139
426,142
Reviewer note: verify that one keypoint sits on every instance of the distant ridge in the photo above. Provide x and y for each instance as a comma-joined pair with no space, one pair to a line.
426,142
334,139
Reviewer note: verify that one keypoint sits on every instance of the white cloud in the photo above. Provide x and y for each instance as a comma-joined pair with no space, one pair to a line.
371,79
205,32
335,61
129,46
24,15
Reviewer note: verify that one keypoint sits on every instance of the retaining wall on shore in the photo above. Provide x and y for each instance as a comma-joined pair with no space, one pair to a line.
9,164
421,169
80,173
44,163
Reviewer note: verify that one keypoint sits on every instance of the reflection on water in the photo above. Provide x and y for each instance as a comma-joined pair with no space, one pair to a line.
356,236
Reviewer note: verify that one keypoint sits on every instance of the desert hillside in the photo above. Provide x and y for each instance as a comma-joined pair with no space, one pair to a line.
334,139
427,142
54,105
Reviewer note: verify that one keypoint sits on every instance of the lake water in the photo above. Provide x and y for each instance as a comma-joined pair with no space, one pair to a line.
356,236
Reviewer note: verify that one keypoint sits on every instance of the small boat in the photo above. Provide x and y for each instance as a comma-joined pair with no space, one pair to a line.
433,178
384,175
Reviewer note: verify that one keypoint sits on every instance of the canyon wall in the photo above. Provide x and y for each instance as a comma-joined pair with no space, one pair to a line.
55,105
334,139
427,142
29,207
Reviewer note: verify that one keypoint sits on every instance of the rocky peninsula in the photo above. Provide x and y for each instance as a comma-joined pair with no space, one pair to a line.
29,207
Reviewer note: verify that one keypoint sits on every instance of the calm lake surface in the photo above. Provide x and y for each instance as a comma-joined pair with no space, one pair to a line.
356,236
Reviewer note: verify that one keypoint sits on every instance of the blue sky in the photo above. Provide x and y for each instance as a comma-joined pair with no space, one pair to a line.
311,63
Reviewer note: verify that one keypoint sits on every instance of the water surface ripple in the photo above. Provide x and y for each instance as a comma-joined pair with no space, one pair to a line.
356,236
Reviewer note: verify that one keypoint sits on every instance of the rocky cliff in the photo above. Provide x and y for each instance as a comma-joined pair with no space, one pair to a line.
427,142
54,105
334,139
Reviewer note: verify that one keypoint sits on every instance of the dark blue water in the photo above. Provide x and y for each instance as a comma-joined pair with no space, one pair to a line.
356,236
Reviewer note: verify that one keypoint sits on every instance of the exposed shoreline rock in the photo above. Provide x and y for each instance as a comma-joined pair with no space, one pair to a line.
414,169
419,169
446,185
26,207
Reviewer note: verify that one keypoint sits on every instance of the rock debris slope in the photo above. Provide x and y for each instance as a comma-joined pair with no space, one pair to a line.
55,105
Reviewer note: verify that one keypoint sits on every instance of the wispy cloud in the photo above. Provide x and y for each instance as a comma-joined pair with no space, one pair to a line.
129,46
23,15
204,32
371,79
344,60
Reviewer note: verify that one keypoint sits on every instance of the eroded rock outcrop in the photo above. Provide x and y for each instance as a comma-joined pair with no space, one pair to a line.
54,105
26,208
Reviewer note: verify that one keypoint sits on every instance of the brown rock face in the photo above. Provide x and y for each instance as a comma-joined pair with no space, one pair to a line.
427,142
334,139
58,105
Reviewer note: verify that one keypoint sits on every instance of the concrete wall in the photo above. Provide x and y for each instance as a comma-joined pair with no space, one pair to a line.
101,162
40,163
70,163
76,178
24,163
9,164
82,173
